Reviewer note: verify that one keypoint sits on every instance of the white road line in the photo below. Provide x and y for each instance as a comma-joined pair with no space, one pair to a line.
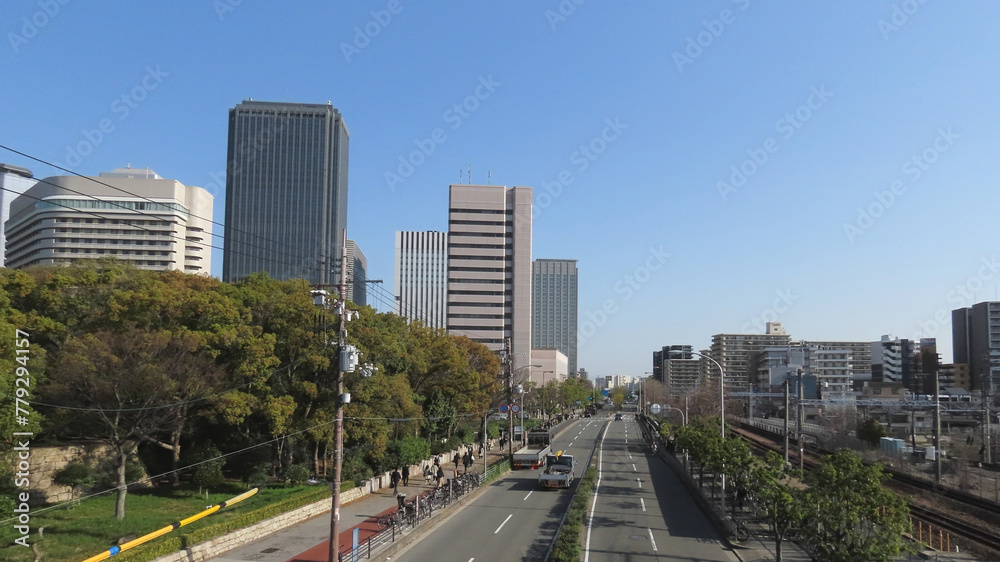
639,481
471,559
633,468
597,488
529,493
630,456
504,523
651,539
643,502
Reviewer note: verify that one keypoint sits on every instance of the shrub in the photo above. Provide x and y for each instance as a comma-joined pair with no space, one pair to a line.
297,473
77,476
257,476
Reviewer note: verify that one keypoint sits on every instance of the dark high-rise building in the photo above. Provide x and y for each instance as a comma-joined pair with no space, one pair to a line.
554,303
976,343
286,191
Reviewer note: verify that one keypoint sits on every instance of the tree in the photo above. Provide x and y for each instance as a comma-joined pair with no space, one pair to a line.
118,383
776,498
208,473
77,476
849,515
871,431
617,397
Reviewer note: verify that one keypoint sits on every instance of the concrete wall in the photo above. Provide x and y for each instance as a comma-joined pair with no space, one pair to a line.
47,461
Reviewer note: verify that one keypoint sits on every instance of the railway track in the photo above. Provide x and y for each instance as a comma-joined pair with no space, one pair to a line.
984,537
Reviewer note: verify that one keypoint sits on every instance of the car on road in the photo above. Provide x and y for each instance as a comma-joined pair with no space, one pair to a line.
618,417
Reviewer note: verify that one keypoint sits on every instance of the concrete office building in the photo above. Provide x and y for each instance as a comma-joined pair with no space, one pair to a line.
976,343
14,181
421,277
554,366
357,269
489,267
682,371
893,361
129,214
554,307
737,354
286,191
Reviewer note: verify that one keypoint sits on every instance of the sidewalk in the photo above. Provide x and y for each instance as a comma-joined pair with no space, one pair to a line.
309,541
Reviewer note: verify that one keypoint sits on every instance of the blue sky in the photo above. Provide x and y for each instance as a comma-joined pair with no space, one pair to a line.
831,165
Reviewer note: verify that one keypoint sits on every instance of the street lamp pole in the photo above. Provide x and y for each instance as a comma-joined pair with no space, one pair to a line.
722,411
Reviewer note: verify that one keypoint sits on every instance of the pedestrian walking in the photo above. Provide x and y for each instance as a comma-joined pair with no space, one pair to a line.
394,479
458,462
406,475
428,474
439,475
466,462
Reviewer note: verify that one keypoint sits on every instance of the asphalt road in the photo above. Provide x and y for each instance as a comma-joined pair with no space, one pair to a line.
514,519
643,512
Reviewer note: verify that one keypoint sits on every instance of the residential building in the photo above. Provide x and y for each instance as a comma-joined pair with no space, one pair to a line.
357,269
737,354
584,375
489,267
976,342
14,180
893,361
421,278
554,307
286,191
678,369
129,214
554,366
955,375
861,358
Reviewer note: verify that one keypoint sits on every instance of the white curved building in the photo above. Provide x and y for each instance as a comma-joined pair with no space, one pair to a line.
129,214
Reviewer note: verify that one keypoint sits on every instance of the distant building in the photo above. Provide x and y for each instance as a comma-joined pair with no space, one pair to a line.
14,181
421,278
357,269
893,361
554,366
489,267
976,343
554,303
584,375
860,361
129,214
680,371
286,191
737,354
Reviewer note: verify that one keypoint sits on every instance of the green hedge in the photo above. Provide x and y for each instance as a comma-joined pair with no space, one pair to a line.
567,547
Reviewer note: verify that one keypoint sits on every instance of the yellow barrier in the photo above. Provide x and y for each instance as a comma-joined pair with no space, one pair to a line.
160,532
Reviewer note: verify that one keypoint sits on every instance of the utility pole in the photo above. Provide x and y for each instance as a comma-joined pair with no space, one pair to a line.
338,428
798,421
786,421
508,358
937,429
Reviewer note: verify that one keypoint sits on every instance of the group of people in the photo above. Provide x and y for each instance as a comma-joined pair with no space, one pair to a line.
433,473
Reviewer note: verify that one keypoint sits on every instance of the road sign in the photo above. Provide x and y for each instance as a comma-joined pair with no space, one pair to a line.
515,408
504,408
655,408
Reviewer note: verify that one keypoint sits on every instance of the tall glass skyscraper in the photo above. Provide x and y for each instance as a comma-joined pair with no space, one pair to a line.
286,191
554,301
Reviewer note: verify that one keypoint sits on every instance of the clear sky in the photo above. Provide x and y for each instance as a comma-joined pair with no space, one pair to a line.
712,165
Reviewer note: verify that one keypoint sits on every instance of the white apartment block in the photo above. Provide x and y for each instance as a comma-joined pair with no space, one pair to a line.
554,366
129,214
421,279
14,181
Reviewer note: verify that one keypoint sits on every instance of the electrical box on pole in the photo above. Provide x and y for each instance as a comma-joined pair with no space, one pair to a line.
349,358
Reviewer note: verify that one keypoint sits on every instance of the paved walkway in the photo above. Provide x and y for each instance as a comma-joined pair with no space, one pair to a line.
309,541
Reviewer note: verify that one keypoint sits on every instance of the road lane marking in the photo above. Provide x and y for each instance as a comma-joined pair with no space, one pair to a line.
633,468
639,481
504,523
643,502
529,493
651,539
597,488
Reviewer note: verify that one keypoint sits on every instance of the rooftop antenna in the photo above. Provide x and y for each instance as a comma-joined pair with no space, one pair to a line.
459,174
489,177
470,174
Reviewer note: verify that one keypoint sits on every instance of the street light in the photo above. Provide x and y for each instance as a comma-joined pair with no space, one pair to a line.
524,434
545,393
722,411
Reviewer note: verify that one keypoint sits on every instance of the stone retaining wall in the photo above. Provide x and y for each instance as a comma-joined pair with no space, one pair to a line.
47,461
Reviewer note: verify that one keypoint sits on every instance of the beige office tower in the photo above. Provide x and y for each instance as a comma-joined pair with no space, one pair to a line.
489,266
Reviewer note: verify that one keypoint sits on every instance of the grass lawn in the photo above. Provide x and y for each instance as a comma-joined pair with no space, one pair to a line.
91,528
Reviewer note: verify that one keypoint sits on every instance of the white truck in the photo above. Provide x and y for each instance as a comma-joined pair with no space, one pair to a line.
533,453
558,471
